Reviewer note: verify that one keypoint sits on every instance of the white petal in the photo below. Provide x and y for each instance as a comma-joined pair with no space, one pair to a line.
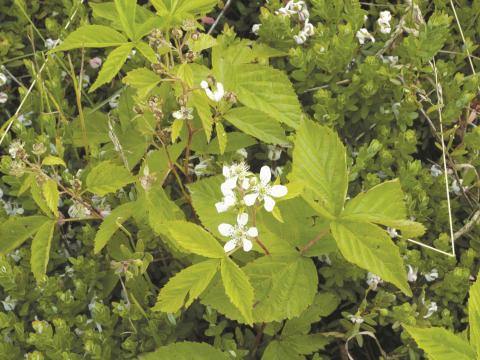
229,200
252,232
204,84
228,185
219,92
278,191
245,184
230,245
247,245
269,203
177,114
210,94
221,207
242,219
265,175
225,229
226,171
250,199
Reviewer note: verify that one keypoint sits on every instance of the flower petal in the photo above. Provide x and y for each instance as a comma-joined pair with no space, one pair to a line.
265,175
220,92
226,171
278,190
252,232
250,199
177,114
221,207
225,229
247,245
269,203
230,245
210,94
229,200
204,84
228,185
242,219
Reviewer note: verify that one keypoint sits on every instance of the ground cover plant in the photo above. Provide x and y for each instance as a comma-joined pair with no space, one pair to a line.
205,179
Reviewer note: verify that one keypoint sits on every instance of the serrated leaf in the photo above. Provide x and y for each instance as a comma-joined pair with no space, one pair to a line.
185,351
319,162
257,124
111,224
268,90
16,230
112,65
177,126
194,239
91,36
187,285
383,204
160,209
238,288
100,179
147,51
474,314
221,137
126,15
180,8
142,79
441,344
51,195
53,160
40,249
369,247
204,41
200,103
39,199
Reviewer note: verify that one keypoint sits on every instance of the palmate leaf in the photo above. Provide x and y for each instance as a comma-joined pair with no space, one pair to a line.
91,36
180,8
441,344
41,245
319,162
474,314
142,79
187,285
369,247
126,14
185,351
108,177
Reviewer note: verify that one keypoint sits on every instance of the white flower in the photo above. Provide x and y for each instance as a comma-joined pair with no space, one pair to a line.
256,28
238,234
9,303
432,275
234,174
363,35
85,80
392,232
412,274
373,280
16,148
435,170
3,79
183,114
456,187
264,191
300,38
431,309
215,95
3,98
308,29
95,62
356,319
12,208
228,201
242,152
50,43
78,210
113,102
274,152
384,22
24,120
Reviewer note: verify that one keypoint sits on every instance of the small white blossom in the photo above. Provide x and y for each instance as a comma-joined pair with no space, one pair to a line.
24,120
384,22
113,102
373,280
256,28
235,174
457,187
15,255
214,95
95,62
16,148
432,275
51,43
227,202
392,232
274,152
3,98
412,274
77,210
431,309
242,152
239,234
355,319
183,114
9,303
435,170
363,35
3,79
264,191
12,208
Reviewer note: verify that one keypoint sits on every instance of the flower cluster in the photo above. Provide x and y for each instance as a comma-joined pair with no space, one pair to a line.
213,89
298,8
384,22
242,189
363,36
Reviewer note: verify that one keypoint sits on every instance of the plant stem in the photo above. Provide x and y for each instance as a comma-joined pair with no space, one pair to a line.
314,241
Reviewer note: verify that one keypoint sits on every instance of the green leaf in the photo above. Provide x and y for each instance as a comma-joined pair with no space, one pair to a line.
319,162
187,285
126,15
16,230
112,65
111,224
268,90
221,137
185,351
40,250
53,160
441,344
142,79
194,239
257,124
369,247
383,204
180,8
51,195
200,103
107,177
238,288
160,209
474,314
292,347
204,41
147,52
280,350
91,36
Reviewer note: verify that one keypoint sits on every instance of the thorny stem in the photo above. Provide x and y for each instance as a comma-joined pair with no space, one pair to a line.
314,241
